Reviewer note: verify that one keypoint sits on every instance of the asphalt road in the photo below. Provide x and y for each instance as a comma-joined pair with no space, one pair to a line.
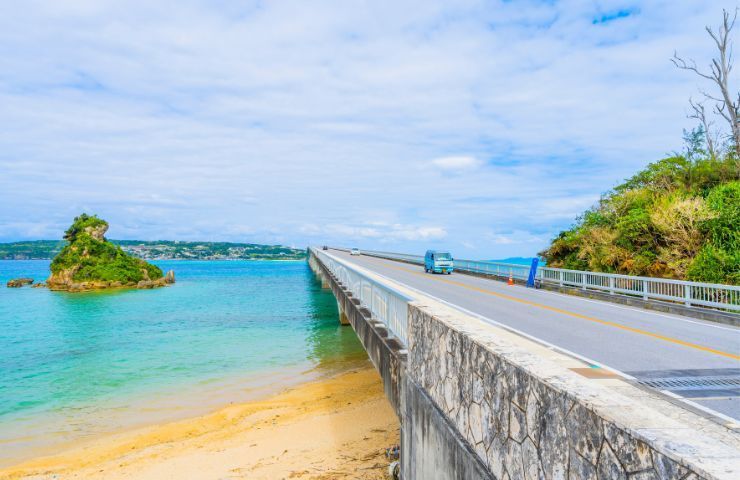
695,359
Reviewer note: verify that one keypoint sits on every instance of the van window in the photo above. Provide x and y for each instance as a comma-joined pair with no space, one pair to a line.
442,256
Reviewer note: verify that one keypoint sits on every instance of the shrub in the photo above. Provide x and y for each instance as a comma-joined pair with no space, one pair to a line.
677,218
98,260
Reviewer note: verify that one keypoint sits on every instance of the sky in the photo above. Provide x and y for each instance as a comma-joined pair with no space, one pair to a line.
481,127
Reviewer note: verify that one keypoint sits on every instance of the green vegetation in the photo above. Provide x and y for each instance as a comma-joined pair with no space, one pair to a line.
677,218
160,250
90,257
31,250
84,224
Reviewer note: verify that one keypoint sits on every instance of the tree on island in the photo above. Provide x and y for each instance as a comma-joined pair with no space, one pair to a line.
91,261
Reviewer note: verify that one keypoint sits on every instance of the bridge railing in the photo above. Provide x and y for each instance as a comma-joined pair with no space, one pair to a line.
679,291
690,294
386,304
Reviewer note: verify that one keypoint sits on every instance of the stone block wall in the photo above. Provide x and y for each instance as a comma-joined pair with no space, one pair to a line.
521,425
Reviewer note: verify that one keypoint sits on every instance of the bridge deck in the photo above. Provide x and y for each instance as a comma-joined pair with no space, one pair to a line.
694,359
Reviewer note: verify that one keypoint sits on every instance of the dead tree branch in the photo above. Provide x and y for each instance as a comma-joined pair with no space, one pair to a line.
699,113
727,105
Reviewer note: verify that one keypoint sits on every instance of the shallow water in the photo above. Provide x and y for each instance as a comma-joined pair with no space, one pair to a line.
77,365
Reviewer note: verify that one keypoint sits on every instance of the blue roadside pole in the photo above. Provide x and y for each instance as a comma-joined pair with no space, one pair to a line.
533,272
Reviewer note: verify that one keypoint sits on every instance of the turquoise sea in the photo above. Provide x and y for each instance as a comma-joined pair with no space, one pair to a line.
76,365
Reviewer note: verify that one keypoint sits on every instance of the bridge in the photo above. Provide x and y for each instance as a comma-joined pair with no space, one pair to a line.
491,380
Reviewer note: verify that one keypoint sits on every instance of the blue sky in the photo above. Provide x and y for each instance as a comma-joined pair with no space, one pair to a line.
481,127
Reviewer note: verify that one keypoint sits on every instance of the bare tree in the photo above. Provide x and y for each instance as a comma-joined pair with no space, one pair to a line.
699,113
728,104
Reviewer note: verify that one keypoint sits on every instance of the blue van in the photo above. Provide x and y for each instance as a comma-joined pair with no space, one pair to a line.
438,262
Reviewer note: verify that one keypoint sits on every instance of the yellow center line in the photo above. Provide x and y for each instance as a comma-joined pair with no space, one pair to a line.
576,315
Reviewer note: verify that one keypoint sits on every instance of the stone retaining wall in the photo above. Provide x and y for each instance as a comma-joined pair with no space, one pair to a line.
527,420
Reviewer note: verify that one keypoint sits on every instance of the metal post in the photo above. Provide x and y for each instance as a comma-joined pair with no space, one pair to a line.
687,295
611,285
387,310
645,290
372,297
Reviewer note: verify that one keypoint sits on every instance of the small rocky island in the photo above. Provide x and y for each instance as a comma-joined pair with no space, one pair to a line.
90,262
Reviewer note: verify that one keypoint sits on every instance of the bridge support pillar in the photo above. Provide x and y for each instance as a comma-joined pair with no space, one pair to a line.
342,316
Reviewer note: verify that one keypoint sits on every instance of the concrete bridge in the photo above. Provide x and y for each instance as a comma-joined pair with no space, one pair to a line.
493,381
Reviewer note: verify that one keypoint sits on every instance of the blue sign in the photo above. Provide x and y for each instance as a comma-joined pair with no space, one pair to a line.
533,272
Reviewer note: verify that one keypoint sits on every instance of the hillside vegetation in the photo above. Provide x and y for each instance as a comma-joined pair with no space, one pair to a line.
677,218
89,257
160,250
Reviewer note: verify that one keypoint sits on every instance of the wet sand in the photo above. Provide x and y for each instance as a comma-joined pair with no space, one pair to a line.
336,428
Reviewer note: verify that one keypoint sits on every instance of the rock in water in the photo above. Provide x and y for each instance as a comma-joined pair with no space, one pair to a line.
19,282
170,277
90,261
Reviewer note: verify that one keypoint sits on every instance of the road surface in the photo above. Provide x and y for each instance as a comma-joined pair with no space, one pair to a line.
694,359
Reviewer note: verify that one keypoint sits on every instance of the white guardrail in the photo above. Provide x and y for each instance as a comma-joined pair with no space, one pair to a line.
691,294
385,303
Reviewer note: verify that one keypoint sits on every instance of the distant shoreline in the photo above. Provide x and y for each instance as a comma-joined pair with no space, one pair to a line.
160,250
177,259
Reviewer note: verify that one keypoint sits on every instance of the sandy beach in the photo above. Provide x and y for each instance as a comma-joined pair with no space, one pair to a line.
334,428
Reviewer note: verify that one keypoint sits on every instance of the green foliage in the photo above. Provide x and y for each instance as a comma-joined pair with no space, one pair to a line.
81,223
565,249
715,265
719,259
724,229
92,259
665,174
677,218
634,228
681,172
31,250
210,250
160,250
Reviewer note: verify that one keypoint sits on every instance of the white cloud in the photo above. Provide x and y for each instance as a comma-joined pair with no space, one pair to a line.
516,237
502,240
274,121
457,163
375,231
418,233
